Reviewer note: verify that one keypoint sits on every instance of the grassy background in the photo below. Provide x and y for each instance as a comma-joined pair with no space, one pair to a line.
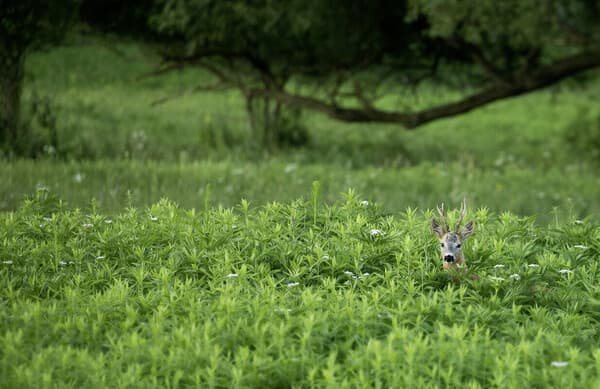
512,155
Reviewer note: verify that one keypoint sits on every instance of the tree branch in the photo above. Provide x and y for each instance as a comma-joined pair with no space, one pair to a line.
543,77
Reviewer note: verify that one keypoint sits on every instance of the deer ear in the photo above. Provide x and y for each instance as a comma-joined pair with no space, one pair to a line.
468,229
437,228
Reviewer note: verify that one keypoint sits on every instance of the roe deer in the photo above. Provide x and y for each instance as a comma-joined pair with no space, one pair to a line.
451,241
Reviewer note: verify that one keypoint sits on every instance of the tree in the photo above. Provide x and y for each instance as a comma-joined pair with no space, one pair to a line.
339,58
25,25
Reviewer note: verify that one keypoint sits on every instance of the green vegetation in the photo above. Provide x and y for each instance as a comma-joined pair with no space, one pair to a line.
160,246
302,294
518,155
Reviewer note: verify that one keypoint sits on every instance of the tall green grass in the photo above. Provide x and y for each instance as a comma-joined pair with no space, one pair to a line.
547,195
295,294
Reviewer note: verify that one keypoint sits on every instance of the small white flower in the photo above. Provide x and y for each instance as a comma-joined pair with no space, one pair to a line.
87,225
364,203
559,364
7,262
494,278
348,273
64,263
578,221
565,271
325,257
48,219
99,257
515,276
78,177
580,246
232,275
153,218
282,310
375,232
366,274
108,221
292,284
533,265
290,168
498,266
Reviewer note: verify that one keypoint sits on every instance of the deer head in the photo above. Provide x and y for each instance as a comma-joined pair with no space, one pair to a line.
451,241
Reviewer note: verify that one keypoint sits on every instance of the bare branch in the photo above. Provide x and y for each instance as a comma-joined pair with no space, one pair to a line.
200,88
545,76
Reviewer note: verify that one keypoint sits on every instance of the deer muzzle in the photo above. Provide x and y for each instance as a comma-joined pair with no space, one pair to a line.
449,258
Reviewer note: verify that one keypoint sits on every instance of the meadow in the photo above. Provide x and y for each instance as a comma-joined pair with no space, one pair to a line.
302,294
158,246
90,110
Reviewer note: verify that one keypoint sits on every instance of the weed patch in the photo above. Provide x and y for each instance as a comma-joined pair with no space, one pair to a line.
295,294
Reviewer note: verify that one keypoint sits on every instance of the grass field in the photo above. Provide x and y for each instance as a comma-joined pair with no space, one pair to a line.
155,246
509,156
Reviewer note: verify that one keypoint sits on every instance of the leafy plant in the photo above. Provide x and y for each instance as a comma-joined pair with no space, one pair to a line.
296,294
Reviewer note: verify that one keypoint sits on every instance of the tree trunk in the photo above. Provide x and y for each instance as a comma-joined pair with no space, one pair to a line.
12,65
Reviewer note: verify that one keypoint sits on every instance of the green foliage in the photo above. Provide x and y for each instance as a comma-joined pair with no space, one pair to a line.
583,137
298,294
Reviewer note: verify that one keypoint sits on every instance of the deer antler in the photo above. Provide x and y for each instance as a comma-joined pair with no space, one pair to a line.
443,216
463,211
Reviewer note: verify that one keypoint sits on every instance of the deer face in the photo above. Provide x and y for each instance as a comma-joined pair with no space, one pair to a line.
451,241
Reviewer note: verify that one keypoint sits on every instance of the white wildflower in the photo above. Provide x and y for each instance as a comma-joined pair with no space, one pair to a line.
580,246
375,232
578,221
364,203
559,364
326,257
348,273
565,271
533,265
290,168
78,177
282,310
494,278
108,221
48,219
232,275
7,262
87,225
100,257
292,284
515,276
153,218
498,266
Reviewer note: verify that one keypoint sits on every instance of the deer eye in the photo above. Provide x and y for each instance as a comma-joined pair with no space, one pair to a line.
442,244
458,246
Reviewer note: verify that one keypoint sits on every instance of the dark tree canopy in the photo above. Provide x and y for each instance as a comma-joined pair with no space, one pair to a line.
338,57
25,25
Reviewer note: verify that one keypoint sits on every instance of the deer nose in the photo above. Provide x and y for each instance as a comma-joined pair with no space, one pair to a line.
449,258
